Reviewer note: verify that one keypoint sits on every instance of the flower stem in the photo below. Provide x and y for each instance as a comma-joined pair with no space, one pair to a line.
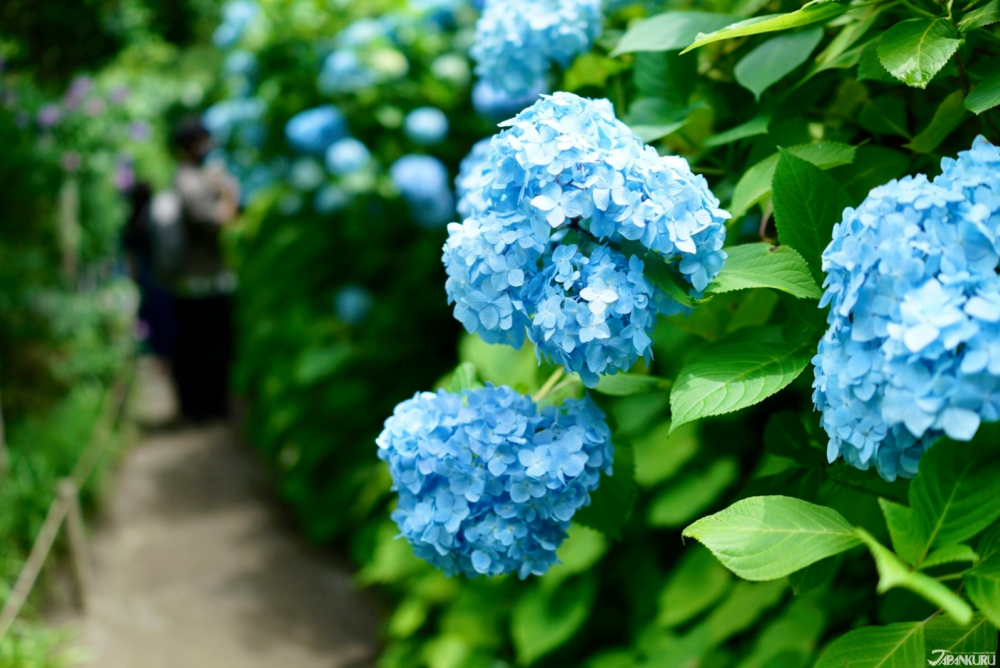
549,384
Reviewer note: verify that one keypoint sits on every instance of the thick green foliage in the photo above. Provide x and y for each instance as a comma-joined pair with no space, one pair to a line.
793,114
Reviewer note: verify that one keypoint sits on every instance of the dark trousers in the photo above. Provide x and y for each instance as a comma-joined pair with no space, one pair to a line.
203,354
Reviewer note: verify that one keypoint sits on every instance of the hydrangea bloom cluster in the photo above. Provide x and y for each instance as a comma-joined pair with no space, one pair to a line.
240,119
330,199
470,175
237,15
315,130
547,209
488,482
426,126
913,346
306,174
422,180
352,304
364,56
346,156
496,105
517,41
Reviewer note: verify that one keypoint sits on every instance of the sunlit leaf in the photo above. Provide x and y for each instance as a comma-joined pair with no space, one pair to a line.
915,50
762,265
768,537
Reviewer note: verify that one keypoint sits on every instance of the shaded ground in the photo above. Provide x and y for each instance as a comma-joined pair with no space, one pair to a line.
196,568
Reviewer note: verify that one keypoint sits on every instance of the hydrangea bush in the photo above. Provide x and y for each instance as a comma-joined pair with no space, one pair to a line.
488,482
691,190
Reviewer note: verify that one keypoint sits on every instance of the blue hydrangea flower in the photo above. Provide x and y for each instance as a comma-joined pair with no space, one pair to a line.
471,175
496,105
239,62
913,346
352,304
547,210
330,199
422,180
315,130
259,177
344,72
237,15
488,482
364,55
426,126
346,156
238,119
517,41
306,174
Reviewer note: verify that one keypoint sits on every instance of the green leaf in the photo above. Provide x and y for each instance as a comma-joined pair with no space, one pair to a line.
873,166
611,503
500,364
989,542
687,498
463,378
812,12
944,633
894,573
956,490
983,585
870,68
745,604
582,548
914,51
761,265
768,537
696,582
545,619
786,435
984,96
659,455
653,118
624,384
665,76
892,646
771,61
949,554
909,538
669,31
755,184
869,481
791,635
591,69
814,576
807,204
315,364
984,16
727,377
885,115
863,20
755,126
948,116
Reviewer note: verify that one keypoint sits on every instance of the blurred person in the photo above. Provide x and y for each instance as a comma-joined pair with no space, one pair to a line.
209,199
156,314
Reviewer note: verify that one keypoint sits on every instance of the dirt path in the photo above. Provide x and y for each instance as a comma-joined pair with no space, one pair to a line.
197,569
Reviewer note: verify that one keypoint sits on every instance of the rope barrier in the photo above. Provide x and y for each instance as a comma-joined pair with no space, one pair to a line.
65,507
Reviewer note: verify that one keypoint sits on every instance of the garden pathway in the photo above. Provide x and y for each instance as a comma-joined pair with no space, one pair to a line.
197,568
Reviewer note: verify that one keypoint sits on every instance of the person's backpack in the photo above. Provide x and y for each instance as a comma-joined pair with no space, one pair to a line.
166,227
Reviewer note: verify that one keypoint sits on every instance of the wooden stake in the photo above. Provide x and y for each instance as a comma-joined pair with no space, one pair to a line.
79,551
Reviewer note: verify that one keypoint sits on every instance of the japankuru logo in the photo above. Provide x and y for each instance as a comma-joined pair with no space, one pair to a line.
942,657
